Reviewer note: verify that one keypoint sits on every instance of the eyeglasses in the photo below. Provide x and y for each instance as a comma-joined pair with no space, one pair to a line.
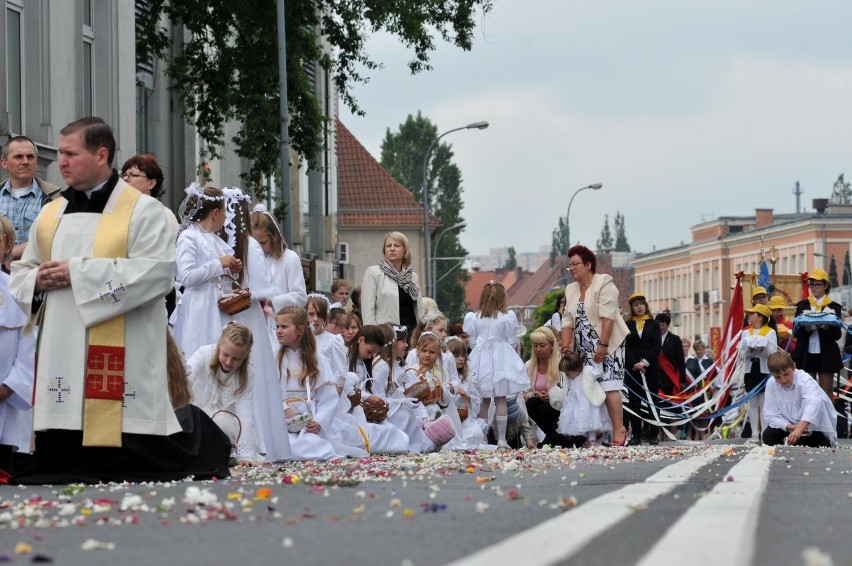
816,284
133,176
575,264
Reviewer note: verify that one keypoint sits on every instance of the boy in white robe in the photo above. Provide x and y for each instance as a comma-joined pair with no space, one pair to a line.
797,411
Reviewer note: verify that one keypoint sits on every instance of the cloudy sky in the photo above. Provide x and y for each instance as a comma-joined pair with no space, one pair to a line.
684,110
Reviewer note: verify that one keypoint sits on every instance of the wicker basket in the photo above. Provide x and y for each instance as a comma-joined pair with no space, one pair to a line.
238,302
463,411
355,398
419,390
435,396
375,409
301,420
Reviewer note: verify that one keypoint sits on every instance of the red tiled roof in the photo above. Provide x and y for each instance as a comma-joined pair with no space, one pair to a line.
367,194
530,290
478,279
475,283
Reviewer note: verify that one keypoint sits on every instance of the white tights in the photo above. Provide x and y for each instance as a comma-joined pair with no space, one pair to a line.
501,413
755,414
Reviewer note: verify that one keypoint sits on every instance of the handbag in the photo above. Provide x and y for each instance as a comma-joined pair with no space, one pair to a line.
556,394
592,388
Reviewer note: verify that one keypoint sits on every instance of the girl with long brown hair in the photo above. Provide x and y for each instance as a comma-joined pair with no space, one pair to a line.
493,333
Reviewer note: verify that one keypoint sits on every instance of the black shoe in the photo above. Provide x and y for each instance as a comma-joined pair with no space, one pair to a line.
653,441
635,440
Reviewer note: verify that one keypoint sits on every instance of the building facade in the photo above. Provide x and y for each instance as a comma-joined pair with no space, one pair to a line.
72,58
695,281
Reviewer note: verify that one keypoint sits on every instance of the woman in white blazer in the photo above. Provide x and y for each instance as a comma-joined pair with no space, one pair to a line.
390,291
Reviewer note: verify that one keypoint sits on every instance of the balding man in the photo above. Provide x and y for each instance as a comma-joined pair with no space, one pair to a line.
22,196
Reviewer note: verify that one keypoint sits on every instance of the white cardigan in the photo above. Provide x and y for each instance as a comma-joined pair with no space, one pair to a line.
380,297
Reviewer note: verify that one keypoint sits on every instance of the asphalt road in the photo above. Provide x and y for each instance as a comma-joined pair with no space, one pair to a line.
719,504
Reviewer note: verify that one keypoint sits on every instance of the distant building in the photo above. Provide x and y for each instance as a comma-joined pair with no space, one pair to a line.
497,258
694,280
477,279
373,203
529,292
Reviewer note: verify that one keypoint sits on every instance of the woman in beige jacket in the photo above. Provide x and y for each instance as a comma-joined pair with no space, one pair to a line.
390,290
592,325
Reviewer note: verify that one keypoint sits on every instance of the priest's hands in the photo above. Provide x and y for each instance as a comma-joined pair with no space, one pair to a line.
53,275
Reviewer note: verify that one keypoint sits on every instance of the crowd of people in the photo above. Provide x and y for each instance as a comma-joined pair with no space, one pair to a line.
175,345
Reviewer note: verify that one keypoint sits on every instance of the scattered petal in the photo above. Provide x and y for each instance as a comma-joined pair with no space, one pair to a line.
92,544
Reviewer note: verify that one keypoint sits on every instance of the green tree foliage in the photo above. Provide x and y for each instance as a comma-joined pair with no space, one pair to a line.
559,243
832,273
403,153
545,310
621,244
227,67
842,191
605,242
847,269
512,260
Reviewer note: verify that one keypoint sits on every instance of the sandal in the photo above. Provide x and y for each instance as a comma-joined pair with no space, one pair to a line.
621,443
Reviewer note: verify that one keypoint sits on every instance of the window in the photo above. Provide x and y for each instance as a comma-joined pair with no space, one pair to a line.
144,93
14,69
88,59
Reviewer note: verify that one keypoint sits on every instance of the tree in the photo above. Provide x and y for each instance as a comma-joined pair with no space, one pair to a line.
559,243
512,261
605,242
832,273
402,156
227,67
841,192
847,270
621,244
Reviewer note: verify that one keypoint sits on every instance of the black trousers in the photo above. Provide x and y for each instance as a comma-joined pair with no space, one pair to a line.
776,436
545,416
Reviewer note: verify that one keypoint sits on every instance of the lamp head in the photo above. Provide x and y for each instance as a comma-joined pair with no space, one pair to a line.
596,186
478,125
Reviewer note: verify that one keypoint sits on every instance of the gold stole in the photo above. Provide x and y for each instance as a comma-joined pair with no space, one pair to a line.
105,360
764,330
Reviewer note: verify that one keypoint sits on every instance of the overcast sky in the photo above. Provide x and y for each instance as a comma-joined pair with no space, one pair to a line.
685,110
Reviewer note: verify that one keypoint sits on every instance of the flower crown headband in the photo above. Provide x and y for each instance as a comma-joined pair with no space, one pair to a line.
399,329
335,306
186,211
427,333
320,296
449,339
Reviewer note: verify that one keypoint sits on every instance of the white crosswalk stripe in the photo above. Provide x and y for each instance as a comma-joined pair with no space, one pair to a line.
731,507
591,519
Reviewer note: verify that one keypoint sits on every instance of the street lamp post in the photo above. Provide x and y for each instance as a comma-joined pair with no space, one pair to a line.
594,187
433,283
427,244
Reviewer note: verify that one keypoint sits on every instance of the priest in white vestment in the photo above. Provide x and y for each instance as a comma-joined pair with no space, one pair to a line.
101,422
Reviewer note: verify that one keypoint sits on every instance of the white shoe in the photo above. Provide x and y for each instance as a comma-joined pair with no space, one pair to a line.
502,445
